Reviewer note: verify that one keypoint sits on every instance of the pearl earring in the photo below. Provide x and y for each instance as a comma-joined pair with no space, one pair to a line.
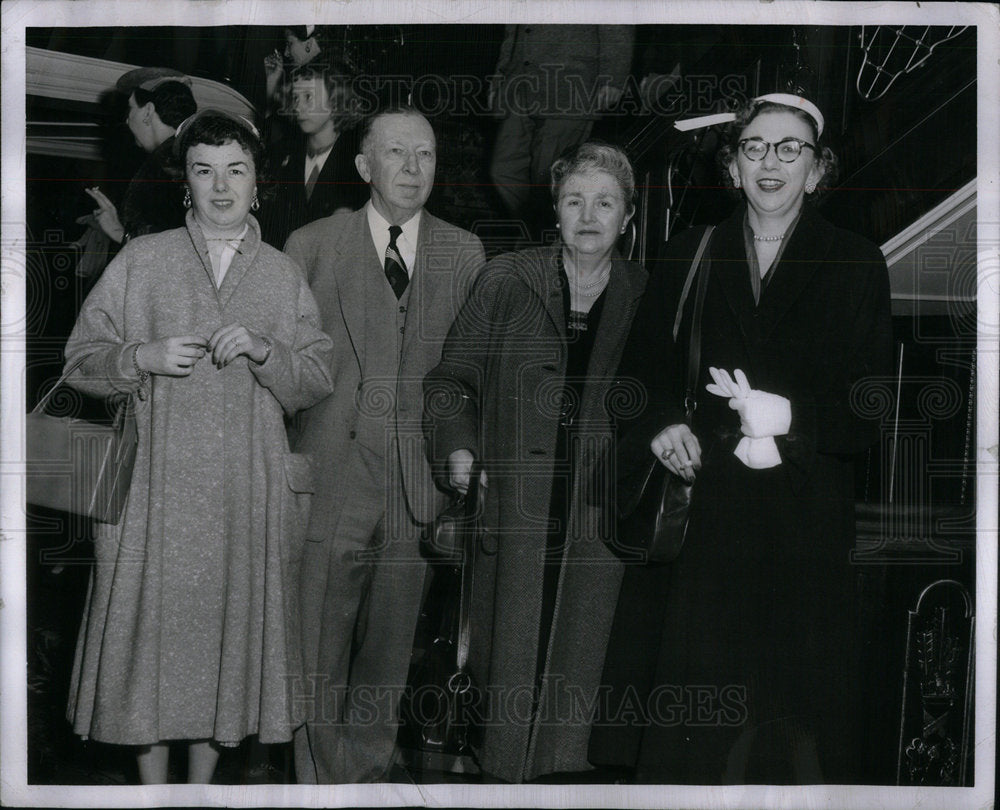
736,182
810,188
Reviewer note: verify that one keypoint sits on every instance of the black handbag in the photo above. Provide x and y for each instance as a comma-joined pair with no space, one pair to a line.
78,466
440,709
652,505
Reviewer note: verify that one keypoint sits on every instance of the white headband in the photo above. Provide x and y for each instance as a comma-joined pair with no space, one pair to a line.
787,99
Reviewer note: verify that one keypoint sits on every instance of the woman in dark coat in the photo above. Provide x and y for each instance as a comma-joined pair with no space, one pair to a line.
742,653
521,387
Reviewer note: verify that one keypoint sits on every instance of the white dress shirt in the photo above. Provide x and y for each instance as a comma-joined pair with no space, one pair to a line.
317,162
406,243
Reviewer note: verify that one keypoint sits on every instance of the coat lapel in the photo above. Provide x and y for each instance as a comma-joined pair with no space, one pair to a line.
623,292
730,269
237,268
241,263
544,279
803,255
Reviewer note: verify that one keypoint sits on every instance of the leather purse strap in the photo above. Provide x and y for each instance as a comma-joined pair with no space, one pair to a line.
469,529
124,406
690,278
40,407
694,346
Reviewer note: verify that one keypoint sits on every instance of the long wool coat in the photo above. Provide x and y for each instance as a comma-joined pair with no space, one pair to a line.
754,621
190,630
496,392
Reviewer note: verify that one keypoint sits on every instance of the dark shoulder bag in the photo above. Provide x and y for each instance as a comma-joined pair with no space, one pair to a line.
652,516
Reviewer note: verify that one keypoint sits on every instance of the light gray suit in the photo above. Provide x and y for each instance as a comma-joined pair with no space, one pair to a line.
362,572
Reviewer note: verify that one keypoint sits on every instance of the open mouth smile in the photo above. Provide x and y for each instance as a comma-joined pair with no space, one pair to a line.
770,184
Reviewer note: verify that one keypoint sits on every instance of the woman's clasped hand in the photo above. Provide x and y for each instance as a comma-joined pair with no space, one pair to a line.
176,356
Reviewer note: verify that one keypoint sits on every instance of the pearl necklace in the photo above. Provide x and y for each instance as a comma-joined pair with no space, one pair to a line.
777,238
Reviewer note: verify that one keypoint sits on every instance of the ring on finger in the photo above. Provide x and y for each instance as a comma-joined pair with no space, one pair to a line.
667,454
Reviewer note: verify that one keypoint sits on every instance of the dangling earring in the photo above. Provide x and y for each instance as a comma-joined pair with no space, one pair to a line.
187,198
255,203
810,188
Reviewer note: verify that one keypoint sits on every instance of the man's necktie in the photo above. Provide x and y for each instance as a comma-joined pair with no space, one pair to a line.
311,182
395,269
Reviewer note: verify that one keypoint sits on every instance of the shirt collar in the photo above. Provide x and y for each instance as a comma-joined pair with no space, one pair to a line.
407,241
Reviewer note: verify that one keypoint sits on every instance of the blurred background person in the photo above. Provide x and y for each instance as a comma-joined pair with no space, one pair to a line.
159,99
313,170
190,631
521,387
550,84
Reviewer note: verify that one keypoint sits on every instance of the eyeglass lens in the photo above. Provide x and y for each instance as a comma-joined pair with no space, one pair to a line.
787,151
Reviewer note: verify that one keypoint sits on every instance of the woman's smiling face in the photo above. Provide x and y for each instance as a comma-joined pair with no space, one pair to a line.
222,183
775,189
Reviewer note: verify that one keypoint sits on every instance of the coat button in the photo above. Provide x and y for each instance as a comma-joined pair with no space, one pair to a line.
353,434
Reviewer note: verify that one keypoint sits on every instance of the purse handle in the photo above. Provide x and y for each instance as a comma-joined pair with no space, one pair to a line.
40,407
468,528
694,345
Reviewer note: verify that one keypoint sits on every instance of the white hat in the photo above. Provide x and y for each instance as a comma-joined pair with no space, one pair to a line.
786,99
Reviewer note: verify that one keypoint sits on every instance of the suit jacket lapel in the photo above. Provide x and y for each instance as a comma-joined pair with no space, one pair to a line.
354,255
425,282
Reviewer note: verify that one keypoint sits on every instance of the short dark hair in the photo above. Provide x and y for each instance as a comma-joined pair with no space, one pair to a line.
595,156
746,113
339,80
364,135
173,101
217,128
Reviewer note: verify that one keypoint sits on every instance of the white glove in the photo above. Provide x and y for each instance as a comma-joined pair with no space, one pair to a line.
762,417
758,454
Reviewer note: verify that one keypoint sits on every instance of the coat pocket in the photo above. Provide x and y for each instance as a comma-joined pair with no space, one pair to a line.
296,499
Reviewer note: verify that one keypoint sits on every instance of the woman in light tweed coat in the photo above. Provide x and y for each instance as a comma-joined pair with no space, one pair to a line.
190,631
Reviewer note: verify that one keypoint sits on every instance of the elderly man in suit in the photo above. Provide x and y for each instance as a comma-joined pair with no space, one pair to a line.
389,280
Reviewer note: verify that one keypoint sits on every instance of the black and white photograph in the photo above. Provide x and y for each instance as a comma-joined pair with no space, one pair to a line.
532,404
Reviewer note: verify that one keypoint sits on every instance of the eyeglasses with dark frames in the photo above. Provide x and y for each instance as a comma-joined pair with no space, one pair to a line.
787,149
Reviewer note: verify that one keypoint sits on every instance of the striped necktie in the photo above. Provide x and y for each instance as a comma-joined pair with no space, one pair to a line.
395,269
